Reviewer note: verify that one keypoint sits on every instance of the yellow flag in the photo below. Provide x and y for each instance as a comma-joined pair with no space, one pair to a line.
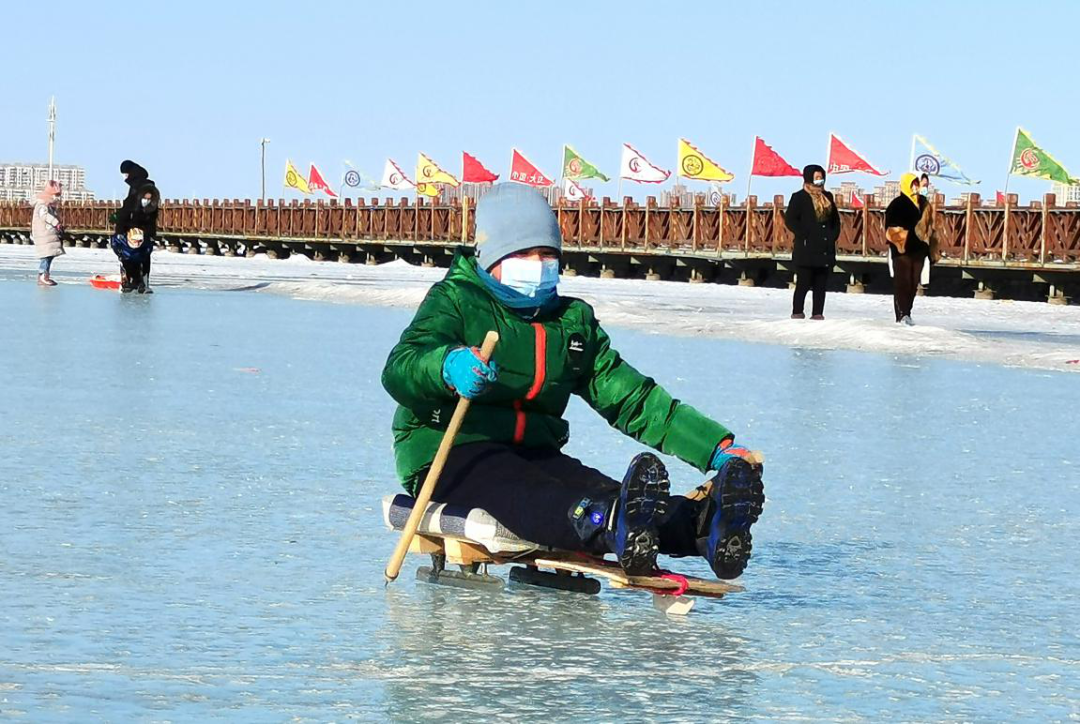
428,172
294,180
695,164
425,189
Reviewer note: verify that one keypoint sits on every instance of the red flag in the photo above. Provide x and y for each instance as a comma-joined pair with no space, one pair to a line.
316,182
842,159
522,171
856,202
768,162
473,172
1000,199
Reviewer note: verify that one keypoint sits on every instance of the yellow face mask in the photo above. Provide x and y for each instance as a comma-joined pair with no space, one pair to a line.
906,182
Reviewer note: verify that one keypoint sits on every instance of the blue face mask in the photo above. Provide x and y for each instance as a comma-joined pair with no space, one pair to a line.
531,278
526,284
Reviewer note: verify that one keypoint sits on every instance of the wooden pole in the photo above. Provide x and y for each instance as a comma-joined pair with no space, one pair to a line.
423,497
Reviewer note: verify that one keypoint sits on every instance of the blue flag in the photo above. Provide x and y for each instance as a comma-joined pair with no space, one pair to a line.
927,159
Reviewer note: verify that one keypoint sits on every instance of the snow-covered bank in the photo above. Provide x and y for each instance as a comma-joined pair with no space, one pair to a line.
1026,334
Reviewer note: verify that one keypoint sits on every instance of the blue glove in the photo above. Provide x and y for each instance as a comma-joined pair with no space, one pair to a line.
465,372
728,450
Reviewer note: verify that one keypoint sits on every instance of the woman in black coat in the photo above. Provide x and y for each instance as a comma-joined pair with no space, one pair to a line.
139,211
814,220
908,229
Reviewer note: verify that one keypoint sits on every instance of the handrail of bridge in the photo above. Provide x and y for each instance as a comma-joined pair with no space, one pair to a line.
1041,234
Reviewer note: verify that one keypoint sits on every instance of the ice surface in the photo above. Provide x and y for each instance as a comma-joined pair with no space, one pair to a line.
1024,334
190,525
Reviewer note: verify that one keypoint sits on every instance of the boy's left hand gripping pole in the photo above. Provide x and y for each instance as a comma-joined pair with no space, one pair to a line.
393,568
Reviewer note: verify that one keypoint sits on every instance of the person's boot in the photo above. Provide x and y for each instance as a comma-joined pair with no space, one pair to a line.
44,280
798,315
642,502
145,287
624,522
735,500
125,282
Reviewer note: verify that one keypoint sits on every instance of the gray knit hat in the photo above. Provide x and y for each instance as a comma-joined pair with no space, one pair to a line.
511,218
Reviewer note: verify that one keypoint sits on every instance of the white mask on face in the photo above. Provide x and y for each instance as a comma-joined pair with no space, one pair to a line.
819,182
530,277
145,203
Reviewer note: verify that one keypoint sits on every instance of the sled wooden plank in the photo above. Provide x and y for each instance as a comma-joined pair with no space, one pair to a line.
426,544
618,579
462,552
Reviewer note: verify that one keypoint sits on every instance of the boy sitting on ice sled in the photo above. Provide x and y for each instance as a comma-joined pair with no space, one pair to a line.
506,459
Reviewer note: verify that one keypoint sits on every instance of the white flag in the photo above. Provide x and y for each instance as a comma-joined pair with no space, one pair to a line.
636,167
394,178
573,192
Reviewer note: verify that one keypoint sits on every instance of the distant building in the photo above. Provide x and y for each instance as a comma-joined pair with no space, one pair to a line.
885,193
1065,194
843,192
21,181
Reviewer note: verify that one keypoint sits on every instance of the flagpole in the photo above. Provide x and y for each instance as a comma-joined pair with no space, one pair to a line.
750,176
1012,155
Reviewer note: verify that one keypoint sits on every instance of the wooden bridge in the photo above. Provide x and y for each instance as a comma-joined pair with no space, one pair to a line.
1024,251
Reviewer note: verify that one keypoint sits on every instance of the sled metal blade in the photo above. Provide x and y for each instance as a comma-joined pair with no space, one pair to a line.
531,576
459,579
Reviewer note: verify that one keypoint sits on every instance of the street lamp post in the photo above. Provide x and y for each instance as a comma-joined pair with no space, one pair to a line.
262,148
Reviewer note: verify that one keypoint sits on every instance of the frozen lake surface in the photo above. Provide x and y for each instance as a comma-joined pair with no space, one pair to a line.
190,526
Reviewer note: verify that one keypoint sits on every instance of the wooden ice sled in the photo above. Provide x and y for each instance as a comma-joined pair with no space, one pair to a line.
474,542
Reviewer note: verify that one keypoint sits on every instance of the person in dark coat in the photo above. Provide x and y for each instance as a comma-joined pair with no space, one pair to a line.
138,212
814,220
908,229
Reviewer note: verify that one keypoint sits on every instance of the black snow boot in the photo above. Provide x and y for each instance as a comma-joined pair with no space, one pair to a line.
624,522
735,501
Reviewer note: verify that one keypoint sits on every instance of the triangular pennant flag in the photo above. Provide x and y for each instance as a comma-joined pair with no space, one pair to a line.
928,160
856,202
696,165
524,172
317,183
768,162
394,178
576,167
428,172
473,172
999,198
635,167
294,180
573,192
843,159
1030,160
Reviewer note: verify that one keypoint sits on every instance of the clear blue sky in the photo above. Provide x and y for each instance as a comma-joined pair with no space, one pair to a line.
187,89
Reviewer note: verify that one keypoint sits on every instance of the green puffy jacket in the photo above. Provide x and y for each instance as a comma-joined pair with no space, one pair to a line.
541,361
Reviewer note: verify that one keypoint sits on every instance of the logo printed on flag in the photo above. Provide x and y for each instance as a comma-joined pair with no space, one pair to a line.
523,171
576,167
317,183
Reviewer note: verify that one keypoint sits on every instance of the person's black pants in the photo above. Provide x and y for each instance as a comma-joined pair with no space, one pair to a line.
807,278
907,271
135,272
533,492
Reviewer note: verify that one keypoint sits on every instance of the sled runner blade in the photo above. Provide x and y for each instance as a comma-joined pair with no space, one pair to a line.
533,576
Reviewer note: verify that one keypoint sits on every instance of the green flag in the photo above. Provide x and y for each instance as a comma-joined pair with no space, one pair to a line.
1030,160
575,167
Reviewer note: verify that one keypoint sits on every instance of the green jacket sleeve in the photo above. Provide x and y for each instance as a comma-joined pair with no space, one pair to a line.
413,372
637,406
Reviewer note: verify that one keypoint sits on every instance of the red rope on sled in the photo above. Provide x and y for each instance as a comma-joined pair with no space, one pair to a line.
684,584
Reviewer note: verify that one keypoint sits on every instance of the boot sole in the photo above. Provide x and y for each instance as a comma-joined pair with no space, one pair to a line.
645,497
742,497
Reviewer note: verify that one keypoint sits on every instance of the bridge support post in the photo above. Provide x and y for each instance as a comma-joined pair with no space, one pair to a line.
696,277
745,281
650,275
1057,296
984,292
855,285
607,272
